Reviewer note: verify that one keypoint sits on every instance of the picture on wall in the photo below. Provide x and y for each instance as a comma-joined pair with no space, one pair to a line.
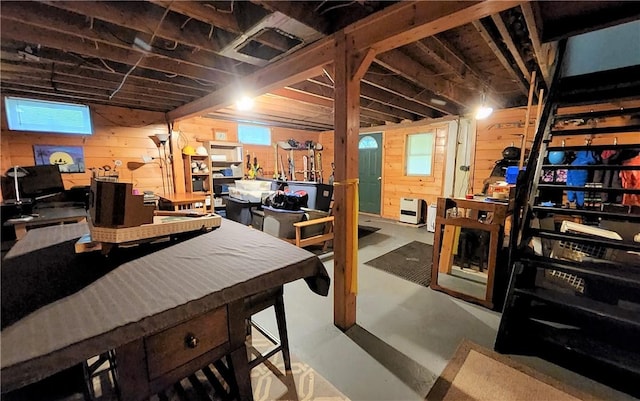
70,159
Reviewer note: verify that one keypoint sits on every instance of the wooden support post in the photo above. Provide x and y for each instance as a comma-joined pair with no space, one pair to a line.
350,66
532,86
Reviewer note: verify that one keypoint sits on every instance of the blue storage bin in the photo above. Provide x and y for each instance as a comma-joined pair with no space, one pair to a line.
512,174
227,172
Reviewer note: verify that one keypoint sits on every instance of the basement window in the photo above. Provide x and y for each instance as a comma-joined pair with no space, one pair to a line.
254,135
34,115
419,154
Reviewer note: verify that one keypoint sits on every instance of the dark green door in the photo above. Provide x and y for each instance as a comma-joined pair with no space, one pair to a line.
370,166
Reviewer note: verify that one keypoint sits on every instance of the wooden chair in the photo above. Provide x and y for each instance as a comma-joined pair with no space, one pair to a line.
327,235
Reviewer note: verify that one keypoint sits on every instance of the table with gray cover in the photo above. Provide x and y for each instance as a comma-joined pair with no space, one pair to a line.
59,308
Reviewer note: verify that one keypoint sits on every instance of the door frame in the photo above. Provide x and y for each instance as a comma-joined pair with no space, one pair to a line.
382,156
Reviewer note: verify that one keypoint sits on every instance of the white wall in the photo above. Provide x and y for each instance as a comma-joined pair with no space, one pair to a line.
605,49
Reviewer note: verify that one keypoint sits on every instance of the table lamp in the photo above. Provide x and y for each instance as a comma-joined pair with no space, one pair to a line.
17,172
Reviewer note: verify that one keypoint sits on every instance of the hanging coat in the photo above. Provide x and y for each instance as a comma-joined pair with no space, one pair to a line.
578,178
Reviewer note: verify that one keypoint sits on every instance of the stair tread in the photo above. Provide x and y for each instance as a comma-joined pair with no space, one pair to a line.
602,130
584,305
574,341
598,114
589,167
590,189
580,212
587,239
595,148
611,271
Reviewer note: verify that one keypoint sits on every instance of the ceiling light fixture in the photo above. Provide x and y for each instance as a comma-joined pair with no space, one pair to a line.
483,111
244,103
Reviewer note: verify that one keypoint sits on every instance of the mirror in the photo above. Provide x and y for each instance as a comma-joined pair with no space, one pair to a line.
468,242
463,263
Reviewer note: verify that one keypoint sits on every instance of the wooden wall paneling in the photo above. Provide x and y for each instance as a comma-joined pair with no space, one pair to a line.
504,127
119,134
199,129
396,184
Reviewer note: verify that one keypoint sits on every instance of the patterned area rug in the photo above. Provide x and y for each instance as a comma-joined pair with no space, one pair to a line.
478,374
411,262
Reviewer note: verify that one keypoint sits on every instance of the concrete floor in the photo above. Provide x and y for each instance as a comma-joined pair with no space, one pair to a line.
405,333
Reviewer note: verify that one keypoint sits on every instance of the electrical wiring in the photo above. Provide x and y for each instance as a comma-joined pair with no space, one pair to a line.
202,83
107,66
185,23
220,10
339,6
166,11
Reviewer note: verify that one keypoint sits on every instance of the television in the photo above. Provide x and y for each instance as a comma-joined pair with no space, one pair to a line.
48,117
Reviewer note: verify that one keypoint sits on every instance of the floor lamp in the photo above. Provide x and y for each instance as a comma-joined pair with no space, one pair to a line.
164,163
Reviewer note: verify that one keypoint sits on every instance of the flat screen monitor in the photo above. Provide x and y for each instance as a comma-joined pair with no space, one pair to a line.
41,181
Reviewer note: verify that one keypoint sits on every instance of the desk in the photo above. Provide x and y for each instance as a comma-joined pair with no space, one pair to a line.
185,200
48,216
136,301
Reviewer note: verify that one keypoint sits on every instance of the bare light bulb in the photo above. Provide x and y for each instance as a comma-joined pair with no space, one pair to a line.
244,103
483,112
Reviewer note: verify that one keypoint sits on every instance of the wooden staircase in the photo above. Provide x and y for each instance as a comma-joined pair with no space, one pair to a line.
574,290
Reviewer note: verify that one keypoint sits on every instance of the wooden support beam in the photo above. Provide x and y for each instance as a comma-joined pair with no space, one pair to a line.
347,126
381,31
501,57
544,52
525,136
511,46
387,30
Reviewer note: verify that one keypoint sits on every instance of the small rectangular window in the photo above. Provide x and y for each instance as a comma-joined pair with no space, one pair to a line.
46,116
254,135
419,156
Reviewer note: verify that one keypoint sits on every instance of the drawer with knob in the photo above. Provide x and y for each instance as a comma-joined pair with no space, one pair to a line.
180,344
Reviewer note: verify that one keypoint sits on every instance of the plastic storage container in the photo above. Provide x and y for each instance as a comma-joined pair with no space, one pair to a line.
511,175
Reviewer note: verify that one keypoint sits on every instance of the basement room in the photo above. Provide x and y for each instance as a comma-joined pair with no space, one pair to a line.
320,200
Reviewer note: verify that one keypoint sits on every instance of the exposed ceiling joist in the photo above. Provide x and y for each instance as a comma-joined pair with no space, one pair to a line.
542,51
511,46
144,17
41,16
426,18
49,38
500,56
408,68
